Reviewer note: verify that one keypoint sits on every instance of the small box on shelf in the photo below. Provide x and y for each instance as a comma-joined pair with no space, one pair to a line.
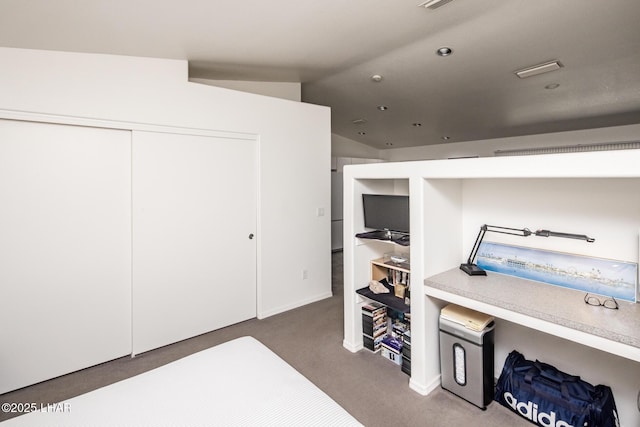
391,349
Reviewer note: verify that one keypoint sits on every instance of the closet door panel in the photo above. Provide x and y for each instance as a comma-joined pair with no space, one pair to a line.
194,207
65,249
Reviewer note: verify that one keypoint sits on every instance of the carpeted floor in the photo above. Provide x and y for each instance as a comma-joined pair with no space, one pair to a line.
309,338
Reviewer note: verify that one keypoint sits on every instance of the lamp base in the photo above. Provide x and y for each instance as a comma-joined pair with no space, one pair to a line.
472,270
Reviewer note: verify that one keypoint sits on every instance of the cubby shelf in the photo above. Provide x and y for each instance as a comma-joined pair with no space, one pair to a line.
387,299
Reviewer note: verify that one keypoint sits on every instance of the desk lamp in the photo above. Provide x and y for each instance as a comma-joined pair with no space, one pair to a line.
473,270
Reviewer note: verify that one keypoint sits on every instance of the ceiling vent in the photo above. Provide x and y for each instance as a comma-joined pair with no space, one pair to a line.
607,146
433,4
538,69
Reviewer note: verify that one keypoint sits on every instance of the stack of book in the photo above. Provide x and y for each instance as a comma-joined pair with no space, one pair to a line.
374,325
398,328
406,353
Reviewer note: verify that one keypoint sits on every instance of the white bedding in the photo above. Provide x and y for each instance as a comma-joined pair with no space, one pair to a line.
238,383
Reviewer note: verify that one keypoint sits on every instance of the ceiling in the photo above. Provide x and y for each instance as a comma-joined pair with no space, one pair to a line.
334,47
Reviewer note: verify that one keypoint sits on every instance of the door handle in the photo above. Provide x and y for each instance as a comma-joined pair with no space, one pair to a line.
250,236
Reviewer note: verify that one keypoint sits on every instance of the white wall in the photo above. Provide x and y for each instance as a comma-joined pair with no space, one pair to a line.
345,147
487,147
294,147
285,90
337,165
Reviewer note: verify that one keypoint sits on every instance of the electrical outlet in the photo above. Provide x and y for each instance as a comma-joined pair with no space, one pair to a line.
305,274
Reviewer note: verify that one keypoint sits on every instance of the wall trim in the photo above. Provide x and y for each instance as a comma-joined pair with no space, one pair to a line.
121,125
424,389
282,309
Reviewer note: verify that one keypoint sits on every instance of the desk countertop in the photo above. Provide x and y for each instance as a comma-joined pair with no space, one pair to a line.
540,301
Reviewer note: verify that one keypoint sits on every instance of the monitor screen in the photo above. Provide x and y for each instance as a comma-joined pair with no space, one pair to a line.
386,212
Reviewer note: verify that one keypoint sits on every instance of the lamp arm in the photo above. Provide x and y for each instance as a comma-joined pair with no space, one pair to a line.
524,232
476,245
547,233
494,229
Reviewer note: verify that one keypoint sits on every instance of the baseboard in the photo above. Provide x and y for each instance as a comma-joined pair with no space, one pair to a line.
297,304
425,389
353,348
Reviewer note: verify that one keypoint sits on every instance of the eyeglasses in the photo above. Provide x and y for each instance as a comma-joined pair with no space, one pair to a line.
607,303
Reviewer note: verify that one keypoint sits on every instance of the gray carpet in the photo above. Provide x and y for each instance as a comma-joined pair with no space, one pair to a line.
369,387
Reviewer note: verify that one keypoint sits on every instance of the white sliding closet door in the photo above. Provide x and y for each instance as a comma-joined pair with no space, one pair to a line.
65,249
194,207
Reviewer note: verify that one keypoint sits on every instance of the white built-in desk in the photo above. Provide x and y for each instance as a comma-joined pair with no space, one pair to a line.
554,310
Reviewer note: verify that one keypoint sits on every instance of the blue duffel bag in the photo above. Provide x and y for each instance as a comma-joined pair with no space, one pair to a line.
551,398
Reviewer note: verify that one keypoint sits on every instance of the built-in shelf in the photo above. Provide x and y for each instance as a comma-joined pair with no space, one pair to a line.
449,200
401,239
381,268
389,300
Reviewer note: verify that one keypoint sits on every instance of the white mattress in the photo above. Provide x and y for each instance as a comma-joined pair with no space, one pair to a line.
238,383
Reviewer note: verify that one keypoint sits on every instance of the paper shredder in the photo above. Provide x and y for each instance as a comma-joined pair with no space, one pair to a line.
466,354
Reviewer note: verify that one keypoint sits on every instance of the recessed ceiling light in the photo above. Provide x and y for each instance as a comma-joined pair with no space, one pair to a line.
376,78
362,133
444,51
389,144
416,124
382,107
445,138
538,69
552,86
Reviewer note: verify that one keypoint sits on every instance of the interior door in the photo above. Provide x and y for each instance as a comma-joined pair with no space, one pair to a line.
65,249
194,217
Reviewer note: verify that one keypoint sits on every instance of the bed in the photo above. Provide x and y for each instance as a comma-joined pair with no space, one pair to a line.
238,383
